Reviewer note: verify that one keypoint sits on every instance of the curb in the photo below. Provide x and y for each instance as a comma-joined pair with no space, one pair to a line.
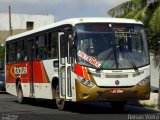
152,102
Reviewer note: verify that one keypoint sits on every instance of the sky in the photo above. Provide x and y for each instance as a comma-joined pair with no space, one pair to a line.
60,9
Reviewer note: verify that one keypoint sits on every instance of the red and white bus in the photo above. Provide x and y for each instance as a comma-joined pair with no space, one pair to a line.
80,59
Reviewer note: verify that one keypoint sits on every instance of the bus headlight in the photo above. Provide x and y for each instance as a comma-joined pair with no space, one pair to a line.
85,82
144,81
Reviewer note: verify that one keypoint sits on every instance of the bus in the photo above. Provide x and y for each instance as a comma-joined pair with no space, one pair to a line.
80,60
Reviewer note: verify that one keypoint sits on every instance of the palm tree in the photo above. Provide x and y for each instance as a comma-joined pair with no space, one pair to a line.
148,12
125,8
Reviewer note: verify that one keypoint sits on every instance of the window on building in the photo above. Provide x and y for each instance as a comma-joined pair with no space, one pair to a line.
29,25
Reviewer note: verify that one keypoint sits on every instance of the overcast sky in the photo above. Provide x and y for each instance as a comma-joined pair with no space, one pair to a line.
61,9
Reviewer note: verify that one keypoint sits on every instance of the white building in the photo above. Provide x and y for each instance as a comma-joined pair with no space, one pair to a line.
24,21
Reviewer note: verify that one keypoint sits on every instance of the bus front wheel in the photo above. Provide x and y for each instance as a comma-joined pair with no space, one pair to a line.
61,103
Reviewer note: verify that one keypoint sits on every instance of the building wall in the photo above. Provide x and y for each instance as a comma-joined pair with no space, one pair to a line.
154,75
19,20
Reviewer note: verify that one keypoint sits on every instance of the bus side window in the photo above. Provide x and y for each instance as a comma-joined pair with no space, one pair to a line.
54,45
11,52
25,50
7,53
19,51
49,44
42,50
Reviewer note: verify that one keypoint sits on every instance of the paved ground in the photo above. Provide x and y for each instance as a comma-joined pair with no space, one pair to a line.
46,110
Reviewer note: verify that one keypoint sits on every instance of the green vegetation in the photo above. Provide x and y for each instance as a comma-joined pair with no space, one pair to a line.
149,14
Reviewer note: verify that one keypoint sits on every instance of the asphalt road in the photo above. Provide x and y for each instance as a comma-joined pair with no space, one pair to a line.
10,109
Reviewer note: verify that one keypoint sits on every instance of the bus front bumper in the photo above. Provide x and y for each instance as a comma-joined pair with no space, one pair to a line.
84,93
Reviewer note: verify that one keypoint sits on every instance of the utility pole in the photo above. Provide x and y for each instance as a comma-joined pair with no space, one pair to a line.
10,23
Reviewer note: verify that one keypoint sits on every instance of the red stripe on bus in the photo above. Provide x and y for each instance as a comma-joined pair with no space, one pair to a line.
23,71
39,75
78,70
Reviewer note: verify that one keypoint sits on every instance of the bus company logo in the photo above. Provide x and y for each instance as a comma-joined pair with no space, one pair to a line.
117,82
20,70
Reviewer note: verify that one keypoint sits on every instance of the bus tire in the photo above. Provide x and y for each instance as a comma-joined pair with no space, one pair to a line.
60,103
118,105
20,97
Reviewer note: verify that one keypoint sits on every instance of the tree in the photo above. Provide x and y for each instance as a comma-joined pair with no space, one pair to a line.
125,8
149,14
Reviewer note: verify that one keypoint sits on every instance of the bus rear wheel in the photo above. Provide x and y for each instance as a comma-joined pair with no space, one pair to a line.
20,97
60,103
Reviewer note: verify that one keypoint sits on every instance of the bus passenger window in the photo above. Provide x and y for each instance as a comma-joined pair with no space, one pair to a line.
42,47
49,44
42,53
11,52
53,52
19,51
25,51
54,45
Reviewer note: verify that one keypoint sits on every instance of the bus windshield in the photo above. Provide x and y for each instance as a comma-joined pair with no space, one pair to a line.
111,45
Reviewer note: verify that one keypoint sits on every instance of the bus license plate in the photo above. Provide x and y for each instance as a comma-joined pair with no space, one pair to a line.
115,91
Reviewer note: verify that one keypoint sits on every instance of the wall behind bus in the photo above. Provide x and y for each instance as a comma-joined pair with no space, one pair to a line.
19,20
154,76
20,23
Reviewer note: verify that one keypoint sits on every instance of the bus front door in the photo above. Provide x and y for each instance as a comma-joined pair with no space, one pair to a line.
64,67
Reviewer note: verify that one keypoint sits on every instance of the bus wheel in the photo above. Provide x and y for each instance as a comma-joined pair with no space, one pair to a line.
20,97
61,104
118,105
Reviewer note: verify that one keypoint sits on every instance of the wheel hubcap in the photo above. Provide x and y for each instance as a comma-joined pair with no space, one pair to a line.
19,95
59,101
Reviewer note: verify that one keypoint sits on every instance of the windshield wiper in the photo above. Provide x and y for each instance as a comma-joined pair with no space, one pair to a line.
130,59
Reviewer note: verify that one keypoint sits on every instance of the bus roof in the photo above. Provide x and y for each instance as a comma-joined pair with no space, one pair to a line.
74,21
